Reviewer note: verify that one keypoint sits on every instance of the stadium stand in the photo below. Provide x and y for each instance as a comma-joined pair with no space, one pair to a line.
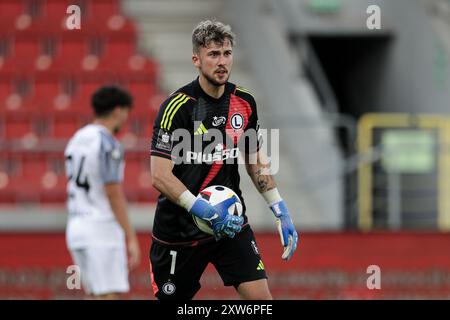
47,76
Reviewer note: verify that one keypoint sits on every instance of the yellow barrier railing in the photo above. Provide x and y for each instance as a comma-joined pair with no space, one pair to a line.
372,121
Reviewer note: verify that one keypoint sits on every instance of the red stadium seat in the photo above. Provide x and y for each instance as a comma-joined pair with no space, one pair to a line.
69,55
44,93
24,183
50,95
80,107
19,190
120,48
11,8
142,93
147,126
33,165
14,95
140,123
106,19
103,9
53,180
117,53
54,14
16,128
6,89
116,25
25,47
9,11
47,77
65,127
5,48
85,90
138,182
22,55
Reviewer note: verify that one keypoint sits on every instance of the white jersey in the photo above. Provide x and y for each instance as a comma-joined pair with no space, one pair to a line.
93,158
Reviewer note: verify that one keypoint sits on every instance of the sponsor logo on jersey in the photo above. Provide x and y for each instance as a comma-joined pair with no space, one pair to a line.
200,130
217,121
219,154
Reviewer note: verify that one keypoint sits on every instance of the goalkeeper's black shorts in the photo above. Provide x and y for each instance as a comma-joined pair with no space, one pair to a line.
176,269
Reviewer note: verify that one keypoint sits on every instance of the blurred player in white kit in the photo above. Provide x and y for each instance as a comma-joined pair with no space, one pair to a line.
100,238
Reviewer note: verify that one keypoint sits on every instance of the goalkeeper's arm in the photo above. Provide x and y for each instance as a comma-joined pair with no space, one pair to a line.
165,181
262,178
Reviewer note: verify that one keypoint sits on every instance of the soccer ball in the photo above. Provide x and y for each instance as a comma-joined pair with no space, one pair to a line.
215,195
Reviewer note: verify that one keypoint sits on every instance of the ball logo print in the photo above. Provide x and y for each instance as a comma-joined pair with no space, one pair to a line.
215,195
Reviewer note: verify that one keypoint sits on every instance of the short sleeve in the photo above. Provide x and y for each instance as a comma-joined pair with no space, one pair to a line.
111,160
172,115
253,137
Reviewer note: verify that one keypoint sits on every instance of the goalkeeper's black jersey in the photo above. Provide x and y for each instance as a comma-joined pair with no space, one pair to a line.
204,163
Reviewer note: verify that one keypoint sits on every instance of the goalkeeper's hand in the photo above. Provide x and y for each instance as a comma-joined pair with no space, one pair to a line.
286,229
222,223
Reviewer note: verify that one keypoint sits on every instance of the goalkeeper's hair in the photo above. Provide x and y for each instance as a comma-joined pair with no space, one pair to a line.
105,99
207,31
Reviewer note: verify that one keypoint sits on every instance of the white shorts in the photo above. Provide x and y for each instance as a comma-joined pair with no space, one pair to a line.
103,269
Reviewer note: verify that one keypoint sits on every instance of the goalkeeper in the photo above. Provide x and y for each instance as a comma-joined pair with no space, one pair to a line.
180,252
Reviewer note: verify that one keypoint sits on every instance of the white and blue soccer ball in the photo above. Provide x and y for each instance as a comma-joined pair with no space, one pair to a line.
214,195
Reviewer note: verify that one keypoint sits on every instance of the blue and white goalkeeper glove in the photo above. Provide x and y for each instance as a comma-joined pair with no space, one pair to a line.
286,229
223,224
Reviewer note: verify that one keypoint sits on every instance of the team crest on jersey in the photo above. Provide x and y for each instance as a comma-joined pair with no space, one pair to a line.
237,121
169,288
164,140
217,121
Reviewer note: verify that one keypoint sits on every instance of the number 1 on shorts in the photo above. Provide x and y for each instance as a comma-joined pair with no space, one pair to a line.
174,259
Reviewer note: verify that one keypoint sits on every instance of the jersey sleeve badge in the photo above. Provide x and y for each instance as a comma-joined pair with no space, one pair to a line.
164,140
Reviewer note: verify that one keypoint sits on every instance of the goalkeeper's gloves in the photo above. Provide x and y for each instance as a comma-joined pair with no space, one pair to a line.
222,223
286,228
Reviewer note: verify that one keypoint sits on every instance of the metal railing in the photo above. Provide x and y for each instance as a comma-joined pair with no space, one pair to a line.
406,171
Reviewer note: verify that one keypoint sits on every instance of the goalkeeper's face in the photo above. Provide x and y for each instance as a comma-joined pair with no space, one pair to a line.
214,62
